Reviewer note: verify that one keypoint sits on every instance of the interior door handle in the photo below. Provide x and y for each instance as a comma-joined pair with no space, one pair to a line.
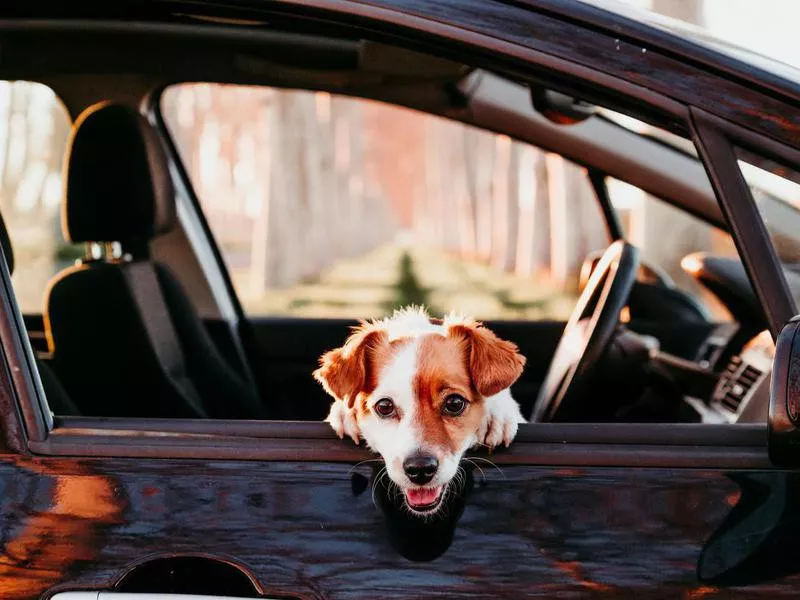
146,596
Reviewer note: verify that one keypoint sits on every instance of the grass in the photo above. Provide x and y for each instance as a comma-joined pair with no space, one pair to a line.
374,284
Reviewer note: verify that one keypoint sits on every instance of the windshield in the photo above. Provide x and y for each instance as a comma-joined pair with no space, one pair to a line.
776,188
777,198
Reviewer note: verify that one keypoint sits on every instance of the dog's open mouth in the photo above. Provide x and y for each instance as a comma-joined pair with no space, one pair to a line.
424,499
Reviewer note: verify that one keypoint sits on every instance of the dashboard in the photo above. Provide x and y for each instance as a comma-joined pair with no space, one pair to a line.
741,352
741,394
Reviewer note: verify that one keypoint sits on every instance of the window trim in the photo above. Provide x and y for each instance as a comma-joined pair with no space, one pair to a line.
709,446
19,375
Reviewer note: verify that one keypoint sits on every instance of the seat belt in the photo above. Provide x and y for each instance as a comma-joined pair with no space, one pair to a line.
143,282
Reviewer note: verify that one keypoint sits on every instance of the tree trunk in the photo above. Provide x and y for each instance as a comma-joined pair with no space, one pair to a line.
16,147
541,230
462,187
449,199
501,203
6,199
262,266
434,214
528,204
563,255
485,150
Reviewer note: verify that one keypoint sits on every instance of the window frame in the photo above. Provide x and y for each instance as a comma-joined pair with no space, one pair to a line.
736,446
715,139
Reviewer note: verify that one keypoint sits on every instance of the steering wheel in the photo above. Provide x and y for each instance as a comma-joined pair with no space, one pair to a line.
648,272
588,332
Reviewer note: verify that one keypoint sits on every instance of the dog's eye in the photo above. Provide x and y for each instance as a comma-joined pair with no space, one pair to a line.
454,405
385,407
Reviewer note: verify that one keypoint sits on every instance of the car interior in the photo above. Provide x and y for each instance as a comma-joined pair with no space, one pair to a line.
127,332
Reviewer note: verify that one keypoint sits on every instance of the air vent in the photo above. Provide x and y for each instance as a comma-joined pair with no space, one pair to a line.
736,383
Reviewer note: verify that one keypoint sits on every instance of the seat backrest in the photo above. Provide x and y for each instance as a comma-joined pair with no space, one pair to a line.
118,346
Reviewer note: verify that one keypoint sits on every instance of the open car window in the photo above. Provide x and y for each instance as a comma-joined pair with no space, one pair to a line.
328,206
328,209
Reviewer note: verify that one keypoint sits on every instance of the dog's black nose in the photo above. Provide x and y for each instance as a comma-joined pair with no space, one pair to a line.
420,468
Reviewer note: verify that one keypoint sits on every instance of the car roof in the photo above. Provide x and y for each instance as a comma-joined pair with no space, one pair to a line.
679,38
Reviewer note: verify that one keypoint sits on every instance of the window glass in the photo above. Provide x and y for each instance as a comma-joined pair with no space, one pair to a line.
666,235
34,127
776,192
328,206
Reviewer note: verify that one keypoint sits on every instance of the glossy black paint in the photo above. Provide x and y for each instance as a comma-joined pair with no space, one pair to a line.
643,56
304,530
690,43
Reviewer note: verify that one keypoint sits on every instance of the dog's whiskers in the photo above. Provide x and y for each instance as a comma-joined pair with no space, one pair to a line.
474,464
381,474
363,462
486,460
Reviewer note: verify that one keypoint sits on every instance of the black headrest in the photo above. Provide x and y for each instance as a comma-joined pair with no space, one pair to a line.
5,242
117,182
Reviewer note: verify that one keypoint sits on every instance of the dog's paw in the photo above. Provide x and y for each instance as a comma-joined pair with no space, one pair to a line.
501,421
343,420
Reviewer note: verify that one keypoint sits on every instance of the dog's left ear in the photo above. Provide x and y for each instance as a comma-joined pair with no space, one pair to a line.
346,372
494,363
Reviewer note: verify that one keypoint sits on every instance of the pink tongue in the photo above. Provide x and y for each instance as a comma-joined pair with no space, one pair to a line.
423,496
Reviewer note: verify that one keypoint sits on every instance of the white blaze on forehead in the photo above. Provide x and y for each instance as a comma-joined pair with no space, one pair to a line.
396,379
395,439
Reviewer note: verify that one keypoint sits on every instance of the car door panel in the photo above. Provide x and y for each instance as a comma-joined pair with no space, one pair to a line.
305,530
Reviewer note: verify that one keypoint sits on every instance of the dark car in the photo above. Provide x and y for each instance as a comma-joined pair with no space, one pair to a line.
238,182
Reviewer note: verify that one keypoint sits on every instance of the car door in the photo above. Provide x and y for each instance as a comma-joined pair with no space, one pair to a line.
283,509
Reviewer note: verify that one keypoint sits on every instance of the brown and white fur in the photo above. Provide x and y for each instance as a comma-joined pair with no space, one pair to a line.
419,373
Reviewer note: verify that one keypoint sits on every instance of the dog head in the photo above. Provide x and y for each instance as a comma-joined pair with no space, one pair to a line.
417,390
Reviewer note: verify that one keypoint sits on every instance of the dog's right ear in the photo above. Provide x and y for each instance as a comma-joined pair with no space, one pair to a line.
347,371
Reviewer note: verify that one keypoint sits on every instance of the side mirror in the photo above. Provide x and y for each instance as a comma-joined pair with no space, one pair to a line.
560,108
783,423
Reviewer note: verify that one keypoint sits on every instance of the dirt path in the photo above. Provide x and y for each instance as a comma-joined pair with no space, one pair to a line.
373,284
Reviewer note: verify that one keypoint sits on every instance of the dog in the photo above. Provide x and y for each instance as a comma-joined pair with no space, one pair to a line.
421,392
